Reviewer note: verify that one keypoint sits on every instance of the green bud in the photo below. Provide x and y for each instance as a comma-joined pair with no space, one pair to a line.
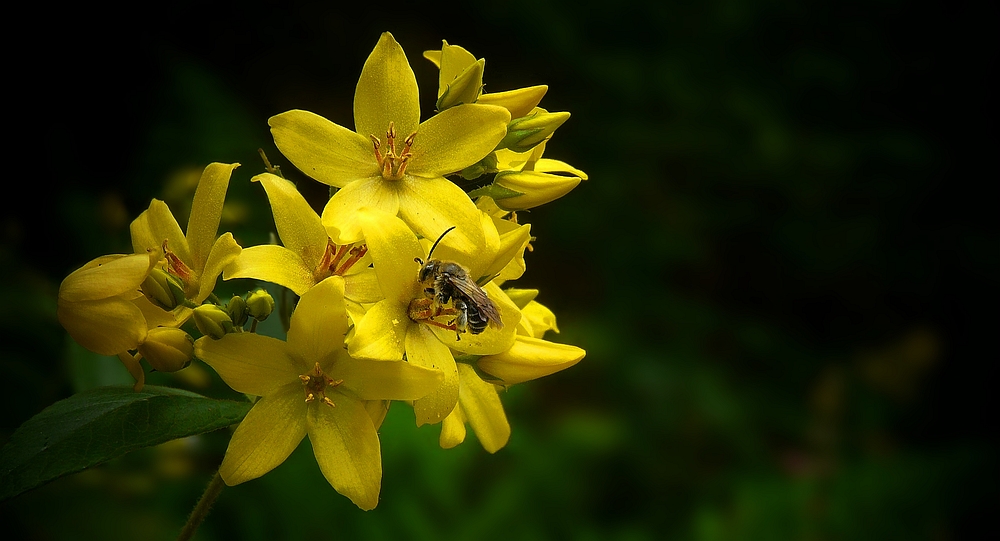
213,321
237,309
534,188
526,132
167,349
465,88
260,304
163,290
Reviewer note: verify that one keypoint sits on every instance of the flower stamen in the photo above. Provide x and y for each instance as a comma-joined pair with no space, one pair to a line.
175,266
393,165
315,384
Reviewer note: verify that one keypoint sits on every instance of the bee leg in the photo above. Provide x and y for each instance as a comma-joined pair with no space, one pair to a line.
461,321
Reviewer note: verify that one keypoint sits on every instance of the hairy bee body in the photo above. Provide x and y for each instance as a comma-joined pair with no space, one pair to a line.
447,281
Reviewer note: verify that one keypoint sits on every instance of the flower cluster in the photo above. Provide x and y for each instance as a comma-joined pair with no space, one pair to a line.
401,279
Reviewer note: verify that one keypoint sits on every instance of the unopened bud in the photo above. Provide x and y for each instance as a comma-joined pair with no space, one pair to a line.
260,304
534,188
167,349
519,102
163,290
213,321
526,132
237,309
465,88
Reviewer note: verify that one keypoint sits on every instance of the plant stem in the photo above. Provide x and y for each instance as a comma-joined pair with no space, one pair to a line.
202,508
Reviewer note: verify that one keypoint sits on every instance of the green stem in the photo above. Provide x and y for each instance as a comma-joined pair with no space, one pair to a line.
201,510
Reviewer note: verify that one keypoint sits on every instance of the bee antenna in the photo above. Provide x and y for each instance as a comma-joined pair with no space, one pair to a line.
446,231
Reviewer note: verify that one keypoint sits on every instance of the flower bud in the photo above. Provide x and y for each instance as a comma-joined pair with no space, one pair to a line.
465,88
167,349
534,188
163,290
526,132
237,309
213,321
520,102
260,304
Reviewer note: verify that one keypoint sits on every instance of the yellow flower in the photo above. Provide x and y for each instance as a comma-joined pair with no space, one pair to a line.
529,357
309,385
102,305
198,257
387,330
456,64
309,255
392,161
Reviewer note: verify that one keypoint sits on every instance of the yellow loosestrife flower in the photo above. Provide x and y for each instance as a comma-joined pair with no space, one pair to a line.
198,257
309,255
387,331
528,358
309,385
392,161
102,305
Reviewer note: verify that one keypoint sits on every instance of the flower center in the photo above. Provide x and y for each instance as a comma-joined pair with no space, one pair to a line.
334,262
175,266
393,165
315,383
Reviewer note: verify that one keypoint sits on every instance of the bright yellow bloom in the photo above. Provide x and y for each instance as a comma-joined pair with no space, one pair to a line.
310,385
102,305
528,358
309,255
198,257
392,162
387,332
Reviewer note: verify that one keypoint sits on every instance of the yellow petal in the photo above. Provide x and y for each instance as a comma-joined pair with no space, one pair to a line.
453,61
386,92
432,205
393,248
540,317
251,363
388,380
106,276
339,216
377,410
434,57
530,358
206,211
545,165
275,264
223,253
492,340
381,333
363,287
509,261
155,225
519,102
347,449
268,434
325,151
106,326
299,227
481,406
423,349
452,429
457,138
319,322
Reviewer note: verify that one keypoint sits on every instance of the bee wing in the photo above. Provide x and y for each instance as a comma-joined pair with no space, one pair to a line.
478,297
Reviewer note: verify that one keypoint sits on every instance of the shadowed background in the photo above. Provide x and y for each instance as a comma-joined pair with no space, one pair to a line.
775,267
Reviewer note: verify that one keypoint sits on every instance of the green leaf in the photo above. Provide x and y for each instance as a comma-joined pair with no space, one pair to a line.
98,425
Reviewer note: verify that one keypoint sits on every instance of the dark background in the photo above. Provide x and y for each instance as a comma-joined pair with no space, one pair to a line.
782,268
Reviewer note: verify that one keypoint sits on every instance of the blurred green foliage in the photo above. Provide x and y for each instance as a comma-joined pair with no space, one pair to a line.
775,267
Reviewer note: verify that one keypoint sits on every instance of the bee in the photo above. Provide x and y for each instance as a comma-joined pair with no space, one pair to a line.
448,281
